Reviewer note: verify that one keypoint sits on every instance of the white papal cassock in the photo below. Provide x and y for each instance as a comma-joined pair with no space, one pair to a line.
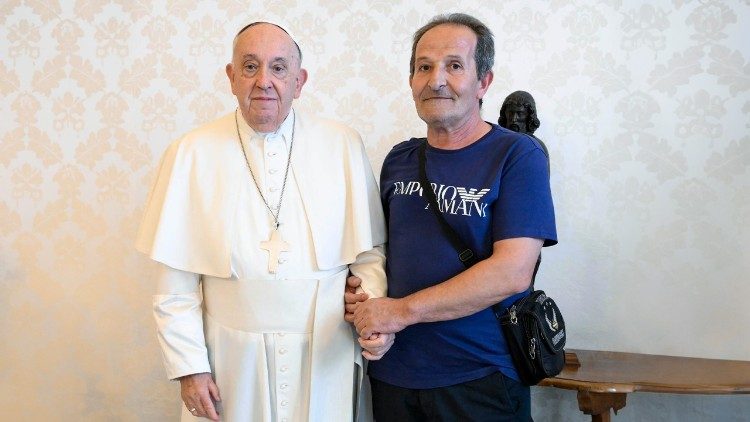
277,344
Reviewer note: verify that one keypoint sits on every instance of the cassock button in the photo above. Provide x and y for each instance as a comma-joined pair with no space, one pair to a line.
284,403
282,351
273,189
282,260
284,368
272,171
284,386
272,154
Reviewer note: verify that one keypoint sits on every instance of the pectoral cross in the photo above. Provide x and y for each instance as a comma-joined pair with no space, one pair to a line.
275,245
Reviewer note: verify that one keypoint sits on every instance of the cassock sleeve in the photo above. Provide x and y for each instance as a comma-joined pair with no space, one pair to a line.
370,268
179,322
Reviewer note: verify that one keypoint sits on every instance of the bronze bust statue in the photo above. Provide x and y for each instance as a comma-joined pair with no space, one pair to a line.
518,113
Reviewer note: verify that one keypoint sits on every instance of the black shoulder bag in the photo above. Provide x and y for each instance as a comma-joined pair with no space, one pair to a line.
533,326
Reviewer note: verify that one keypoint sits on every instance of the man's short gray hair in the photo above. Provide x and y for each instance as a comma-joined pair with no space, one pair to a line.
484,55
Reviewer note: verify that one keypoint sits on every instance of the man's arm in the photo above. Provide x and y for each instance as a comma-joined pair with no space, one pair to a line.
506,272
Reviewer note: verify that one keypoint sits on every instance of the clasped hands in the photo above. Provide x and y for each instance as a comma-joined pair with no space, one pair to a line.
376,320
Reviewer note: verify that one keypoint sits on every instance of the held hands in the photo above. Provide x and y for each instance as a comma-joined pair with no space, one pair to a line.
199,392
379,315
352,297
376,346
375,341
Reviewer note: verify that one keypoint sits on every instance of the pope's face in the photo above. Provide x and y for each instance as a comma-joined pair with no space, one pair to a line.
265,75
444,85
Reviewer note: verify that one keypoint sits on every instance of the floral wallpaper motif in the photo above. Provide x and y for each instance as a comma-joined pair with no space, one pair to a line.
645,108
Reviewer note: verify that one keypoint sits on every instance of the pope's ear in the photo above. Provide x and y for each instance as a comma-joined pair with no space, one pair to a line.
301,79
230,75
230,71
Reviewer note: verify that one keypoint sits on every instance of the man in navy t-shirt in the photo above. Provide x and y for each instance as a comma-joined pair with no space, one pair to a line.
449,360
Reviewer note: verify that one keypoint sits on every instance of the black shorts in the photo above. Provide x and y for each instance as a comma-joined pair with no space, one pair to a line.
492,398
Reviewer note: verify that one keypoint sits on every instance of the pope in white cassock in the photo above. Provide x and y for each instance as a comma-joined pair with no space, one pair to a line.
256,220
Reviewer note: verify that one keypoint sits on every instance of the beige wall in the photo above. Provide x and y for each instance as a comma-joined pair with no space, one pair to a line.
644,107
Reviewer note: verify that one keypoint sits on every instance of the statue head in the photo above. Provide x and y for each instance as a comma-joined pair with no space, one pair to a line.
518,113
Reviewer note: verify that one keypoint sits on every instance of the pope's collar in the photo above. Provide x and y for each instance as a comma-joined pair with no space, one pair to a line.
283,132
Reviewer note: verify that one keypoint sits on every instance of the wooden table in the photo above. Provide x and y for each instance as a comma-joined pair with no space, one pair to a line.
603,379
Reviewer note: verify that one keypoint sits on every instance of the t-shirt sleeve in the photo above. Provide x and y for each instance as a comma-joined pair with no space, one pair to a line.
524,205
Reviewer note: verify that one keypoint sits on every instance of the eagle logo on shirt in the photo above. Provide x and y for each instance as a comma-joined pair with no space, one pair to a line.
472,195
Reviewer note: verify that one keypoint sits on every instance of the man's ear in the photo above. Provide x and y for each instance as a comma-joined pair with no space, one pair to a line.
484,84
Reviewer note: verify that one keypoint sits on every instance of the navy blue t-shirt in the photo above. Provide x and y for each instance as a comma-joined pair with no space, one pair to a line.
496,188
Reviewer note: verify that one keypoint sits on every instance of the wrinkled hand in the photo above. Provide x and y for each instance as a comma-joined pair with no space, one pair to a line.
351,297
376,346
199,392
379,315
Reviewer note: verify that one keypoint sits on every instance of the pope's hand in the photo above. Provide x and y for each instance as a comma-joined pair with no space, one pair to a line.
352,297
380,315
199,392
376,346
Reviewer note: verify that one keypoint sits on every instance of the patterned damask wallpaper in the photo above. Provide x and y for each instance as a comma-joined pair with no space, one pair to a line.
644,108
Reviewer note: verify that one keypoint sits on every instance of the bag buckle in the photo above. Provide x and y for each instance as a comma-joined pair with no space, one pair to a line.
466,255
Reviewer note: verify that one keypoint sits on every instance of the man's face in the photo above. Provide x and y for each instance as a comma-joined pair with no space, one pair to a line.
265,75
515,115
444,86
